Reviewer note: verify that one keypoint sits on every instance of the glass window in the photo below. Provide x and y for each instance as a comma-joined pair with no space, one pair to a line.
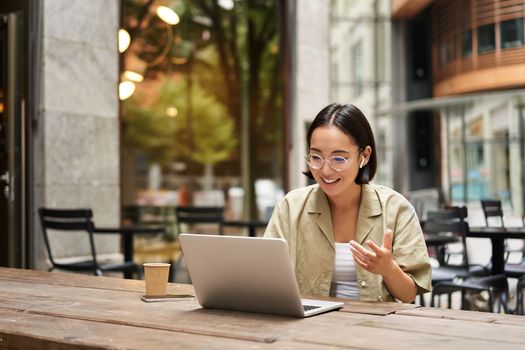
185,139
511,32
466,43
486,38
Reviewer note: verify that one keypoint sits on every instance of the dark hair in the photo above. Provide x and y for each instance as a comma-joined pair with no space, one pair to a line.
350,120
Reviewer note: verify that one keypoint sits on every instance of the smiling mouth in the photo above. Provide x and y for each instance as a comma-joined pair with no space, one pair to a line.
329,181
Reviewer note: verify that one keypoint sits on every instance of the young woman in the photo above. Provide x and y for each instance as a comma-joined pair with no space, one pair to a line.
347,237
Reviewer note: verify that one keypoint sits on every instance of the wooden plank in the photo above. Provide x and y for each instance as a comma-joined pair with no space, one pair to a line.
28,331
451,314
505,335
85,281
516,320
369,307
377,338
373,308
125,308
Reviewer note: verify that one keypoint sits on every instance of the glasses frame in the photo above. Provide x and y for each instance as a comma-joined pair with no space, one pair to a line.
308,157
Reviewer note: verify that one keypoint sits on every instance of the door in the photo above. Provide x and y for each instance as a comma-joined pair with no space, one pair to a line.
12,227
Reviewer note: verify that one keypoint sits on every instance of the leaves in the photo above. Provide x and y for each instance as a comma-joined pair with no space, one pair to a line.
204,132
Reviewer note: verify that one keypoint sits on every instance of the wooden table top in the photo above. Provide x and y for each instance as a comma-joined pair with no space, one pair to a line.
42,310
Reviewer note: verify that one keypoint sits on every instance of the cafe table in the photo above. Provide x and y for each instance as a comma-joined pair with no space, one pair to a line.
497,237
44,310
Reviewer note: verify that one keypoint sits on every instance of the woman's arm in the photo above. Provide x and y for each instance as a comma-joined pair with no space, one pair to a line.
379,260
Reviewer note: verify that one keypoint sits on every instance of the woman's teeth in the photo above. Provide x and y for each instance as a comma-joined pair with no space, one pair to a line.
329,181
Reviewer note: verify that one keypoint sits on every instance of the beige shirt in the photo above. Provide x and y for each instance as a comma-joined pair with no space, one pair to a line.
303,218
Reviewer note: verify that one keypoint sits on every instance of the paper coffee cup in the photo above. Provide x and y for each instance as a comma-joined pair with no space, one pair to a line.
156,276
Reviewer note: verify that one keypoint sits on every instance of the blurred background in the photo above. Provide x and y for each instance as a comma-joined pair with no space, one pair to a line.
133,107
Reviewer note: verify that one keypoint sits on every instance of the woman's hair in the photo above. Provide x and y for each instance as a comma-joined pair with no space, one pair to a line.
350,120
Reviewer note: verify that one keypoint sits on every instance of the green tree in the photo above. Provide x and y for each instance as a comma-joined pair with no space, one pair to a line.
160,127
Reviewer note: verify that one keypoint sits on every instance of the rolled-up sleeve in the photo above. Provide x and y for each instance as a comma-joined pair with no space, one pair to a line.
409,249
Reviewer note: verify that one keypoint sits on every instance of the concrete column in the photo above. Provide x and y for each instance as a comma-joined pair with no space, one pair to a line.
312,79
76,149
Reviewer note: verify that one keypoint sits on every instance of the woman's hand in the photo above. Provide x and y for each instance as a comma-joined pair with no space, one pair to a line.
376,259
379,260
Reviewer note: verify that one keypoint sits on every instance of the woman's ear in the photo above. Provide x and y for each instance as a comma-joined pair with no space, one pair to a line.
365,156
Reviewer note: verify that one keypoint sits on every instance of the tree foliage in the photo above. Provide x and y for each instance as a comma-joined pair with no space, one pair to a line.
165,138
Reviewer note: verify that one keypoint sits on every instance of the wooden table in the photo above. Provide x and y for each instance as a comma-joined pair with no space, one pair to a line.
42,310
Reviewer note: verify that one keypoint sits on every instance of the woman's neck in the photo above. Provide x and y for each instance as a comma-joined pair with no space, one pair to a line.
346,201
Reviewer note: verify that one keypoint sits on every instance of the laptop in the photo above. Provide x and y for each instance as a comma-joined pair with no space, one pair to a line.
250,274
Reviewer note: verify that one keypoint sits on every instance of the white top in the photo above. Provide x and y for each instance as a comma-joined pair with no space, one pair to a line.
344,278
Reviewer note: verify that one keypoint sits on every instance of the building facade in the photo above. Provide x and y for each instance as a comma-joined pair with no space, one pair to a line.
463,81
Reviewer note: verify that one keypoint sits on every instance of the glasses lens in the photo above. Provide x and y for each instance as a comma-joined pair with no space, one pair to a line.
315,161
338,162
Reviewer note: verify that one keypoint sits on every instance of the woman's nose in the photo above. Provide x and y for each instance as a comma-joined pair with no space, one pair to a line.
326,168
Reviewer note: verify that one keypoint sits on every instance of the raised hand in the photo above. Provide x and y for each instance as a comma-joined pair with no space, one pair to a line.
375,259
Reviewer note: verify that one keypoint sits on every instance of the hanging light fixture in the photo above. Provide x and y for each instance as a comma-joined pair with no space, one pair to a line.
167,15
226,4
126,89
123,40
133,76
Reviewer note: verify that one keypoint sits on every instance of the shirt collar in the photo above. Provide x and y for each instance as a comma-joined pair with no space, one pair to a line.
370,205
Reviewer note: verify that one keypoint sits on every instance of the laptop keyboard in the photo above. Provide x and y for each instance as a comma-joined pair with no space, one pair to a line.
310,307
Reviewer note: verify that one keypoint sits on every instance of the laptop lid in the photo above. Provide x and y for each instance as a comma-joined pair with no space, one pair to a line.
245,274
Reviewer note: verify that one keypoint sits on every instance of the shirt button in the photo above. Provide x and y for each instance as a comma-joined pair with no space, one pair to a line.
363,284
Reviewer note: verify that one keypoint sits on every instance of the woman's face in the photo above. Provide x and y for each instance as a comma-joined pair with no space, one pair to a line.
328,141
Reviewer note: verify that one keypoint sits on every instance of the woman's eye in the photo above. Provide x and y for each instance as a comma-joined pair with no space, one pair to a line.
315,157
339,160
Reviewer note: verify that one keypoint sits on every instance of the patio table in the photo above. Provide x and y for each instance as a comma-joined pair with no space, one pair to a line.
43,310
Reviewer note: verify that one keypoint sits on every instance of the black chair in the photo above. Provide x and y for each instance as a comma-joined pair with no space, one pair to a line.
79,221
463,277
196,216
492,208
434,227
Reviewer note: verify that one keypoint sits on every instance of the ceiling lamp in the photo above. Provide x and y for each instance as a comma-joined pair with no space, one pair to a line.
167,15
133,76
126,89
123,40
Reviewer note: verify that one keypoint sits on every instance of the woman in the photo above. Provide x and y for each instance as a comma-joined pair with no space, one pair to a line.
347,237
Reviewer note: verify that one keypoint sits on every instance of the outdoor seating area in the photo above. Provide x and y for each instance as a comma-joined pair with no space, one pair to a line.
255,174
459,283
149,234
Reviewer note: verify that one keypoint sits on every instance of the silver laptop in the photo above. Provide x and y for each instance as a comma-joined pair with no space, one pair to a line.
246,274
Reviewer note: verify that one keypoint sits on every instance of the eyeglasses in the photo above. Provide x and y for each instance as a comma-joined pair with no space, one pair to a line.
338,163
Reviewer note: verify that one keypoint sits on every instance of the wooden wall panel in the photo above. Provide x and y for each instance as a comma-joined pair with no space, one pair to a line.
450,19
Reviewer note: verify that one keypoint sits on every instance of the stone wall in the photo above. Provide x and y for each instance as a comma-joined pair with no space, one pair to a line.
311,78
76,137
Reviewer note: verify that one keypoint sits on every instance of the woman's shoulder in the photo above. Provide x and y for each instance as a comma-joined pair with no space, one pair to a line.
389,195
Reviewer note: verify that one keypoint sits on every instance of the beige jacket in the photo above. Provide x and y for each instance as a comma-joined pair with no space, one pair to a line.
303,218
